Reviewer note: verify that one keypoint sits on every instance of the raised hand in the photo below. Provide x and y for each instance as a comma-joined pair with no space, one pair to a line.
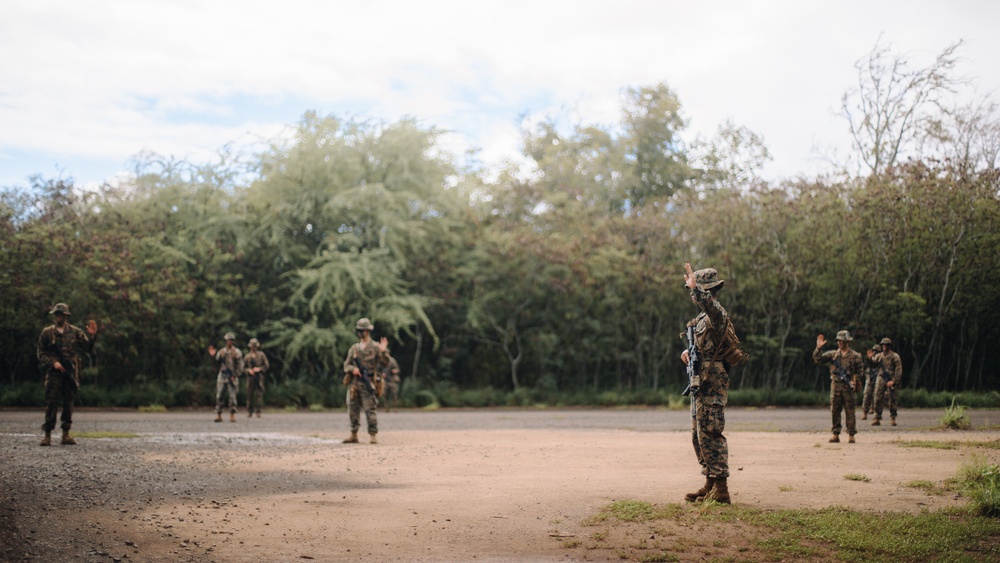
820,341
91,327
211,350
689,280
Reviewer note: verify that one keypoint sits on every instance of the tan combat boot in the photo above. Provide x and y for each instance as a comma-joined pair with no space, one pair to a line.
218,417
374,440
258,413
893,420
851,439
692,497
232,416
877,422
47,440
835,439
353,439
864,416
67,440
719,493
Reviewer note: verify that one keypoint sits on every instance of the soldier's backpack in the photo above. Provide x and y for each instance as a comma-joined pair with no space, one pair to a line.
733,354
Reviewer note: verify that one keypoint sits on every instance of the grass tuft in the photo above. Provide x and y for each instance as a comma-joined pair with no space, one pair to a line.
980,481
153,408
955,417
857,477
106,435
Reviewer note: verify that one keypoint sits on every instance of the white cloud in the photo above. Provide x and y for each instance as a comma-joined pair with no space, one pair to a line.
105,79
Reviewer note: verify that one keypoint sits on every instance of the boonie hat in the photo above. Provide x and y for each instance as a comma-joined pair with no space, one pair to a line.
708,278
844,335
364,324
60,308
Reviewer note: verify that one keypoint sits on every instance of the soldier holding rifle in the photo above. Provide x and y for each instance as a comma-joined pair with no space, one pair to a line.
846,367
56,352
364,360
709,385
227,381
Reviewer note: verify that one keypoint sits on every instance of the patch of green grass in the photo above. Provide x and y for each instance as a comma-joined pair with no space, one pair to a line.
948,444
290,408
153,408
836,533
955,417
785,488
570,544
857,477
980,481
928,487
316,407
105,435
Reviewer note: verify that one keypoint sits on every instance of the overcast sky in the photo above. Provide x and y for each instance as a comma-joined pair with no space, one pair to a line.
86,85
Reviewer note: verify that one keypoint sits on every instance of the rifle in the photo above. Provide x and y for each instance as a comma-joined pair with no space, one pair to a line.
694,380
841,372
366,376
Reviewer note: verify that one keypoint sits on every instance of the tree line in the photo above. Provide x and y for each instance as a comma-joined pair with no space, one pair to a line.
561,272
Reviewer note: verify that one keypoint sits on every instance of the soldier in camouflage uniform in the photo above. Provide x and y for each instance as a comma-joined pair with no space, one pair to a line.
867,403
56,352
255,366
391,377
889,380
227,381
708,401
374,358
849,364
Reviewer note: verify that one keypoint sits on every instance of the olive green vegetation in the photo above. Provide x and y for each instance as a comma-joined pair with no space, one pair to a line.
105,435
751,534
955,418
558,287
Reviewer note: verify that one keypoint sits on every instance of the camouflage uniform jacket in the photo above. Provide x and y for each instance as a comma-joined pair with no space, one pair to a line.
54,346
373,359
256,359
230,358
393,365
709,327
851,361
891,365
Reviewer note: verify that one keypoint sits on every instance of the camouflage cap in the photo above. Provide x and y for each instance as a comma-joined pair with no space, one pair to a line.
844,335
230,336
886,341
60,308
708,278
364,324
876,348
253,342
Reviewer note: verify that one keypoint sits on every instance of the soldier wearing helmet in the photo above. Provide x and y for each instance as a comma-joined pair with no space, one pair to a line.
56,352
364,363
871,379
708,402
255,366
227,381
890,367
846,367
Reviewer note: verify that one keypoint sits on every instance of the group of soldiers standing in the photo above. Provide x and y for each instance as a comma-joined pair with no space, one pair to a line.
369,371
882,370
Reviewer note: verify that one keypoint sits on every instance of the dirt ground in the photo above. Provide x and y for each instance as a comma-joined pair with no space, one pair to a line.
477,485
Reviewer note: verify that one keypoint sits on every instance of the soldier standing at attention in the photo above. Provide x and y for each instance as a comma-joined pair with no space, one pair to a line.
231,365
56,352
889,379
868,403
708,401
364,360
845,366
255,366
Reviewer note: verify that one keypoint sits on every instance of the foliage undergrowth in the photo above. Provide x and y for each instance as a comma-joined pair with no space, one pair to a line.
980,481
305,394
955,417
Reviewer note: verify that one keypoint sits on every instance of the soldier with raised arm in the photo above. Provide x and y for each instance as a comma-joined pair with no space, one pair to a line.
365,360
56,353
889,380
227,381
708,400
846,366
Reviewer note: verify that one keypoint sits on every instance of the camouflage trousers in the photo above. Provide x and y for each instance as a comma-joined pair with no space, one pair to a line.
392,392
255,395
708,421
361,397
223,386
58,390
867,402
884,394
842,398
